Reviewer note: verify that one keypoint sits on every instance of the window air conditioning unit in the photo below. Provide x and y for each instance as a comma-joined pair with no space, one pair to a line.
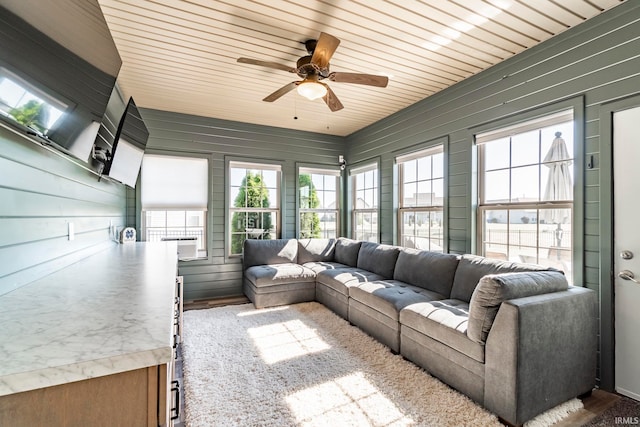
187,246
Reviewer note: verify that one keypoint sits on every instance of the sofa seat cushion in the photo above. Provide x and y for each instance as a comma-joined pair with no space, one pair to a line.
390,296
319,266
445,321
279,274
341,279
494,289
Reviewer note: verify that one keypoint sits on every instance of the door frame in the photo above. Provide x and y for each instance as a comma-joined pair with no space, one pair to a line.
607,257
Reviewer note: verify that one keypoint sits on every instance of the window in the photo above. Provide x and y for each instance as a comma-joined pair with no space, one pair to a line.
254,200
174,198
318,201
526,192
364,220
421,207
27,105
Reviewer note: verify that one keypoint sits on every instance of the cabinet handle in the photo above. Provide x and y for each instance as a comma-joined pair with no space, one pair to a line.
175,410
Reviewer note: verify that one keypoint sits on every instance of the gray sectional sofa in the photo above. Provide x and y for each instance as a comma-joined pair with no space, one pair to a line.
516,338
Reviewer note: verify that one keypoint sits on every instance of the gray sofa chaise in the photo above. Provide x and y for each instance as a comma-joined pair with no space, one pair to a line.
516,338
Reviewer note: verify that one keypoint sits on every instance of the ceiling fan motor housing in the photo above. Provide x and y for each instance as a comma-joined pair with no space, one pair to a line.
305,68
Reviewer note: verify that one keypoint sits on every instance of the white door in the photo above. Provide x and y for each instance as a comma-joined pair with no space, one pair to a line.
626,175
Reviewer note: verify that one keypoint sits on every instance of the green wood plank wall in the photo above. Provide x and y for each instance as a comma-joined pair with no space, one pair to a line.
173,133
596,62
41,193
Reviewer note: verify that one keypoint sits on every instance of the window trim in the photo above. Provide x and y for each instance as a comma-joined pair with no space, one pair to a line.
268,164
577,105
430,148
355,169
208,217
320,170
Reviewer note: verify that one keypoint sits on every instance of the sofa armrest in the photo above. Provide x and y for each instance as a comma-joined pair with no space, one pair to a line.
541,351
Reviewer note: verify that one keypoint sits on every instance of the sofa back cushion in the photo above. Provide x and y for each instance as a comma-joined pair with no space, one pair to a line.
472,268
262,252
377,258
316,250
347,251
429,270
494,289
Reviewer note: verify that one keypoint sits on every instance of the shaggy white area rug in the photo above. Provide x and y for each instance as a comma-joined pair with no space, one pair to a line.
302,365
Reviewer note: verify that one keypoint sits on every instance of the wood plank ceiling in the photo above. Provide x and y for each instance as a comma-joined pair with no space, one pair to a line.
180,55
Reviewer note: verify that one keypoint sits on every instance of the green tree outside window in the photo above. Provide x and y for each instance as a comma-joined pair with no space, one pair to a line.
33,114
251,225
309,221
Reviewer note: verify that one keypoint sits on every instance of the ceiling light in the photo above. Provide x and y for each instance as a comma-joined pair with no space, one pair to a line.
312,90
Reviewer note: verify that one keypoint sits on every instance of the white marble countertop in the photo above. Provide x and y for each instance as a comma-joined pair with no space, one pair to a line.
108,313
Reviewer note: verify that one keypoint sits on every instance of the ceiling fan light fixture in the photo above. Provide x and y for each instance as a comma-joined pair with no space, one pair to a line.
312,90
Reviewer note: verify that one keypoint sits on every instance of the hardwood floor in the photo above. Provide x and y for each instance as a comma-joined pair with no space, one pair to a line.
210,303
594,404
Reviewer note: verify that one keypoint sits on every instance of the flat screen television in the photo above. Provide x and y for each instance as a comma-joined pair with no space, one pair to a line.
57,70
123,163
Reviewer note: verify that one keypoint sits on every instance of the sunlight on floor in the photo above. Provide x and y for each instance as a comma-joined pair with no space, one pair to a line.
263,311
286,340
351,400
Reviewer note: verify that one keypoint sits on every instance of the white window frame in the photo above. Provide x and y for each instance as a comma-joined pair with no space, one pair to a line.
253,166
182,204
372,211
327,173
565,256
417,208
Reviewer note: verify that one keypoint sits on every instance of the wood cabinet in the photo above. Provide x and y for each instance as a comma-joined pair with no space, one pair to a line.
148,396
132,398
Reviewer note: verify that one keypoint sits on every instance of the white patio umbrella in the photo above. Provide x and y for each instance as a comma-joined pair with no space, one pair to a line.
559,183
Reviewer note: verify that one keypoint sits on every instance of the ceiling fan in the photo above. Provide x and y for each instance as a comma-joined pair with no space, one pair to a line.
313,68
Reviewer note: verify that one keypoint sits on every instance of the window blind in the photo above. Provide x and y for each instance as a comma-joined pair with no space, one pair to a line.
362,169
318,171
260,166
550,120
419,154
174,183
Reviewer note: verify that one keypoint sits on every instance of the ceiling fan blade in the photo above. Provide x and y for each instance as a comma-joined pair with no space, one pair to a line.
331,99
282,91
326,46
361,79
267,64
